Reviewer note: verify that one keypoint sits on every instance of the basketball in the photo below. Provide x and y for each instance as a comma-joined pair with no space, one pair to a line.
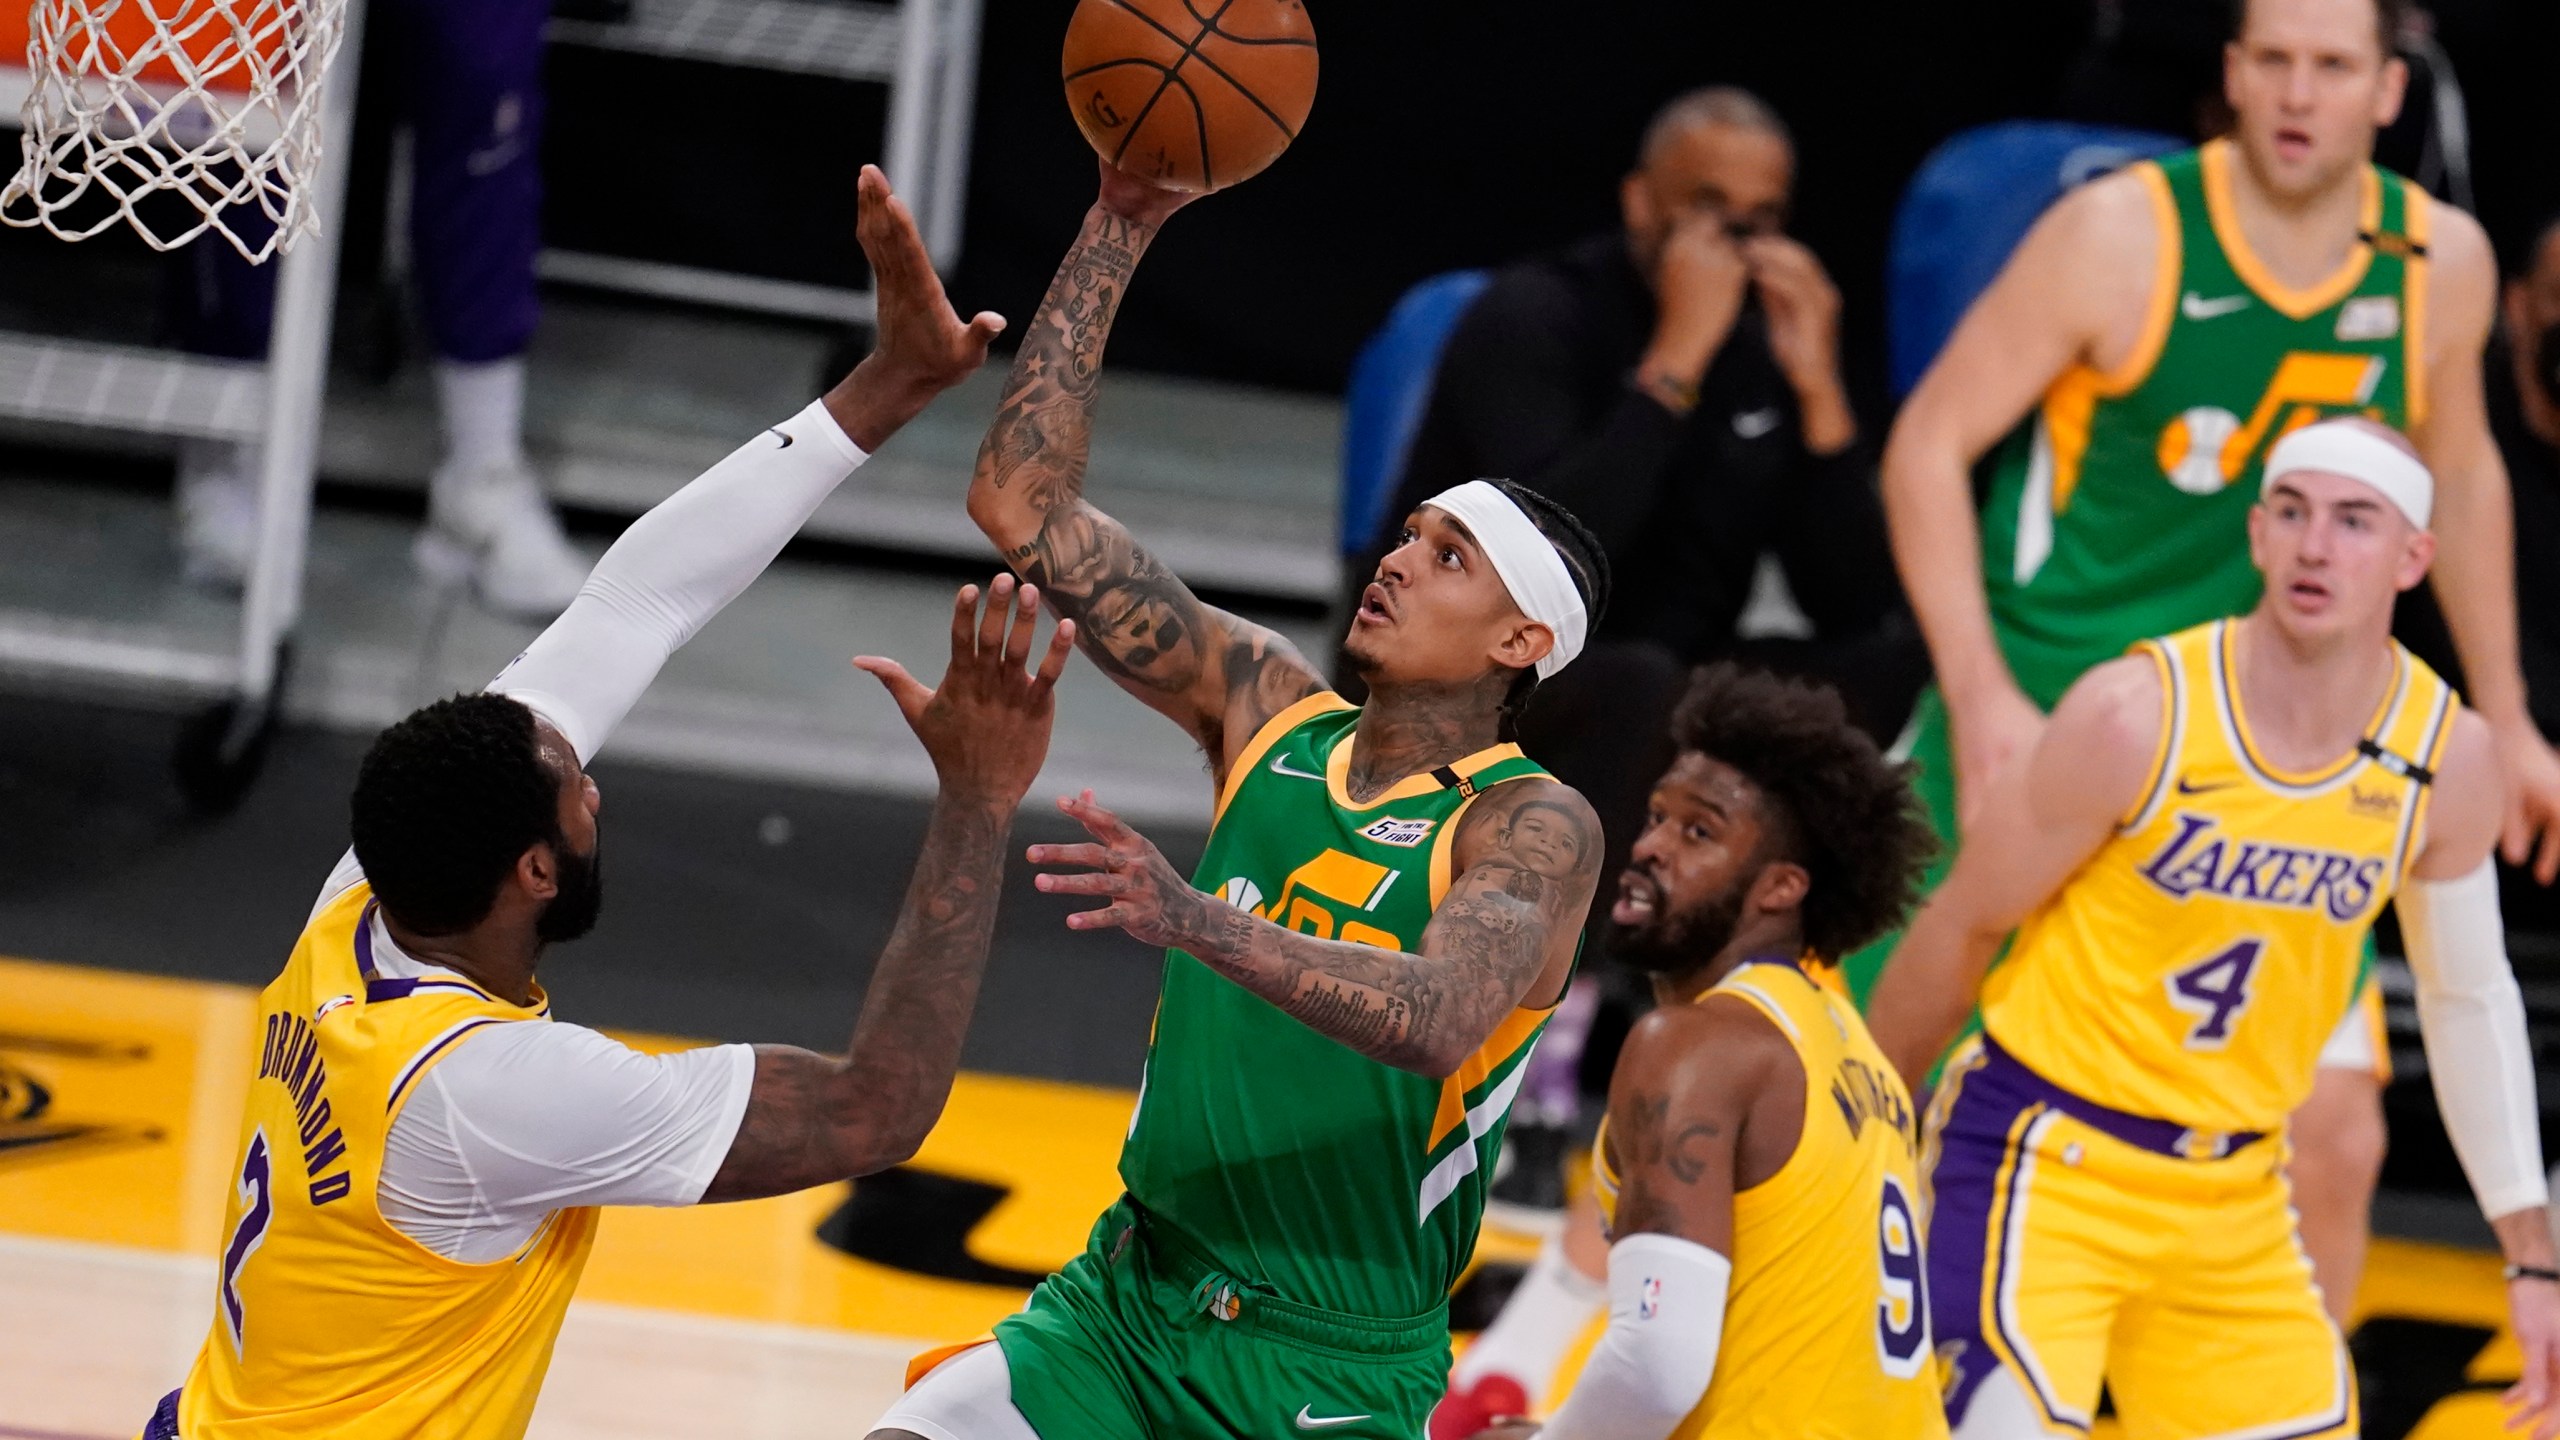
1187,100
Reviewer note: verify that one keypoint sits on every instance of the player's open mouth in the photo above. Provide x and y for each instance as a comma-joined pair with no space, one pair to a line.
1636,898
2309,593
2293,144
1373,606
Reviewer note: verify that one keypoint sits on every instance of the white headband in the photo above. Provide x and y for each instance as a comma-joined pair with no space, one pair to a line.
1526,562
2336,447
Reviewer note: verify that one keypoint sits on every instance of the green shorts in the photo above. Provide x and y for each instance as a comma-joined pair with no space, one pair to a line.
1141,1336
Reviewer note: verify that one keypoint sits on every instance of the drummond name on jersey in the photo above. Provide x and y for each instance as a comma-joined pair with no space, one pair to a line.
2199,858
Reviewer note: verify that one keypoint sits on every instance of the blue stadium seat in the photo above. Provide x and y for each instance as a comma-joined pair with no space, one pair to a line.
1968,206
1390,383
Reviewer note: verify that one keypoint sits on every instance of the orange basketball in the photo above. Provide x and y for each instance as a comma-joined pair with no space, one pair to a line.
1191,94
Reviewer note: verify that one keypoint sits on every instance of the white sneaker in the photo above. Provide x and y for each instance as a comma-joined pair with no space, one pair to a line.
492,526
217,512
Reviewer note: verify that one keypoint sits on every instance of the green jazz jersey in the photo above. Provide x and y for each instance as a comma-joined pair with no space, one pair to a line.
1289,1160
2119,510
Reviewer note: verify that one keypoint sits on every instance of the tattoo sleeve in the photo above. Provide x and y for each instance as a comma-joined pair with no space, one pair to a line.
813,1119
1517,906
1215,675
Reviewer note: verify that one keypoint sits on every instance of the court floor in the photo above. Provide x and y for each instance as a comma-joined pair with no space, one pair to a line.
771,1320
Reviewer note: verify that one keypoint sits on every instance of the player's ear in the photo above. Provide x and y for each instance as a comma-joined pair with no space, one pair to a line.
2414,560
537,871
2394,89
1780,885
1524,645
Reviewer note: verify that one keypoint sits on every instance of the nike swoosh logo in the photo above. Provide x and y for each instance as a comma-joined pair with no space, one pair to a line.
2189,787
1310,1421
786,436
1280,766
1752,424
2196,307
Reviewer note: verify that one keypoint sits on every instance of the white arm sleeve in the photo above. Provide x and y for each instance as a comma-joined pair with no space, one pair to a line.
527,1118
2472,1017
1652,1365
674,569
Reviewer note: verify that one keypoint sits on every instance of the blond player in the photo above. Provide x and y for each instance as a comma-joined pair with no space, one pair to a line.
2190,856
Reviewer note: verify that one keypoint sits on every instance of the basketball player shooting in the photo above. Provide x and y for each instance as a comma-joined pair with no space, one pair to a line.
1395,899
423,1151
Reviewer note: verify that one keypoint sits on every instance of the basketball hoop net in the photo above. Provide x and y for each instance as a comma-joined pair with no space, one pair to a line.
215,102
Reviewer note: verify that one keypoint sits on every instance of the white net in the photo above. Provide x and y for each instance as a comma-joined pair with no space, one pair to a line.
215,103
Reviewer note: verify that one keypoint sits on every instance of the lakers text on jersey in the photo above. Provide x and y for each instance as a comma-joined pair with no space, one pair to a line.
1826,1327
2109,1199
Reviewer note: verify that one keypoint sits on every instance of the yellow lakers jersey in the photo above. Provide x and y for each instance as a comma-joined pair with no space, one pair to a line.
2192,969
328,1322
1826,1326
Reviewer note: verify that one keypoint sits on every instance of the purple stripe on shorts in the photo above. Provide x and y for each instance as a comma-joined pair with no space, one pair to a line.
1971,1145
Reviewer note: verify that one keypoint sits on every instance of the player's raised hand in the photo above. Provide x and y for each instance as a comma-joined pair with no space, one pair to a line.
2533,1309
1149,898
1131,198
921,347
987,725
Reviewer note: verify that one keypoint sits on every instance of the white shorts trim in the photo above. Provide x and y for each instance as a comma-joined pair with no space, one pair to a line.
967,1397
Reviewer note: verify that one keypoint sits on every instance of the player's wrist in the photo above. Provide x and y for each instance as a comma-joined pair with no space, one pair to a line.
878,399
2524,1239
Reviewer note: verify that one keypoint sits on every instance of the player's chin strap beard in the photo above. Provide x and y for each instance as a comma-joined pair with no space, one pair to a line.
1526,562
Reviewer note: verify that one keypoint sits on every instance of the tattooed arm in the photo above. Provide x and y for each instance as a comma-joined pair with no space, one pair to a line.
1217,676
812,1119
1707,1100
1505,931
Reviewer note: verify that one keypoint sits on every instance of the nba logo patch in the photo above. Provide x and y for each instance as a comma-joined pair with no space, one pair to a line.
1649,1303
332,1003
1403,834
2370,317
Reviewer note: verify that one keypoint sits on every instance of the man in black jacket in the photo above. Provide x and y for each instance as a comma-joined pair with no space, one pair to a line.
1676,383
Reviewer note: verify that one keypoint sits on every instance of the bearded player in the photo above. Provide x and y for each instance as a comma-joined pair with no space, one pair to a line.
1757,1167
424,1149
2190,857
2158,331
1392,902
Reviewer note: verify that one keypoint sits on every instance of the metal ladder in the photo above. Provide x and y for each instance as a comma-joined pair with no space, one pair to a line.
925,51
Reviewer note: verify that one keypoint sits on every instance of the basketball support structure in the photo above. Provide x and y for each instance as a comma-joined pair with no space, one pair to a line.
274,405
924,50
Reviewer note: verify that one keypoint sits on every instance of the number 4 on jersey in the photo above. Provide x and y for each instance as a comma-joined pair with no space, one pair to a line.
2216,991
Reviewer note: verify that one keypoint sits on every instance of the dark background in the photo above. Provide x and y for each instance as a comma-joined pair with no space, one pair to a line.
1443,135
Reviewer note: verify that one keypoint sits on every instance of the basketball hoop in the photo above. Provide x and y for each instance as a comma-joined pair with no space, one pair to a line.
214,102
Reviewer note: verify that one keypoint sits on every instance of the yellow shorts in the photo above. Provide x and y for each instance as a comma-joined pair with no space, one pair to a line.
2070,1245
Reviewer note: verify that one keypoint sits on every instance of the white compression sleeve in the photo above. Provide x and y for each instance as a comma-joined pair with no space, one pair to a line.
673,570
1652,1365
2472,1016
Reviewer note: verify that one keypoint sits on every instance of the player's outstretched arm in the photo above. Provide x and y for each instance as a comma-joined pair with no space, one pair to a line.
2478,1053
2040,822
1513,915
813,1119
2066,297
1217,676
1691,1082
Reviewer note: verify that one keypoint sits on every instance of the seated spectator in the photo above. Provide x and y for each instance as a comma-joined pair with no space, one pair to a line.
1676,383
